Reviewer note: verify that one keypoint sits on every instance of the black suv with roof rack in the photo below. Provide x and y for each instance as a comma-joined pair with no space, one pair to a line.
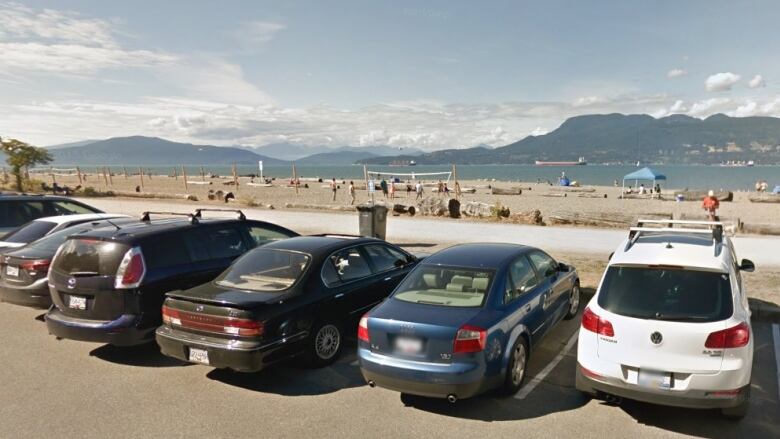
20,209
108,285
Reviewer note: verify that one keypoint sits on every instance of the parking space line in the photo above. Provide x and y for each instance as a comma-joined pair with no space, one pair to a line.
776,339
531,385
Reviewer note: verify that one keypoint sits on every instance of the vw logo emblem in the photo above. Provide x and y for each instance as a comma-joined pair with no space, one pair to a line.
656,337
72,283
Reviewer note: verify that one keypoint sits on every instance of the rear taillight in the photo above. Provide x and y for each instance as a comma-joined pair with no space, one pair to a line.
131,270
734,337
592,322
469,339
33,267
209,323
363,329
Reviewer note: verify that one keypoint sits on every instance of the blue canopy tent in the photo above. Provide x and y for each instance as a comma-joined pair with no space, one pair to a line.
645,174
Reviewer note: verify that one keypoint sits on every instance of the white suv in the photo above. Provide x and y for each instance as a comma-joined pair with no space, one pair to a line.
670,322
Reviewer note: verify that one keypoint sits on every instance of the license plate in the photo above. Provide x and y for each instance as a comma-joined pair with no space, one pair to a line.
199,356
12,271
654,379
408,345
77,302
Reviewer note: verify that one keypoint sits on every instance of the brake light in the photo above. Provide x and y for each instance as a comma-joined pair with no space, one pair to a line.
363,329
35,266
209,323
593,323
734,337
131,270
469,339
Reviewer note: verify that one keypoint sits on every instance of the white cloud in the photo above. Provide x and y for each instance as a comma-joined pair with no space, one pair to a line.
73,58
258,32
757,82
539,131
708,107
676,73
587,100
721,81
21,22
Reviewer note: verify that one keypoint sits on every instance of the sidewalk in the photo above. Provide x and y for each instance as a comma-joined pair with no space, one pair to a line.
762,250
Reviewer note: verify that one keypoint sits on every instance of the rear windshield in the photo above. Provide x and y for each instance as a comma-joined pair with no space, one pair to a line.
29,232
87,257
445,286
53,241
265,270
666,294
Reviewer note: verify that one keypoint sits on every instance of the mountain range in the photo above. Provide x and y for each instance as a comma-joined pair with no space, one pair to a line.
620,138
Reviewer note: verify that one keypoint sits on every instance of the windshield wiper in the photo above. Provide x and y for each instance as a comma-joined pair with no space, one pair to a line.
83,273
678,317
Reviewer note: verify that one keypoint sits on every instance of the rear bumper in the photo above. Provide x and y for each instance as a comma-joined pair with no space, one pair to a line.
692,398
124,331
35,295
463,380
226,353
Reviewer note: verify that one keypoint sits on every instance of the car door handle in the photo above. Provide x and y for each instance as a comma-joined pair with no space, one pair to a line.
339,295
528,308
388,279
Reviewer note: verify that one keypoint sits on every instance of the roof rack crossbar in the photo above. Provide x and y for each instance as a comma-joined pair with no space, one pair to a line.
640,222
197,214
146,216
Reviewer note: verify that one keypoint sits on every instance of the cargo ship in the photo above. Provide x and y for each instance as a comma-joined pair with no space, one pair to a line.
579,162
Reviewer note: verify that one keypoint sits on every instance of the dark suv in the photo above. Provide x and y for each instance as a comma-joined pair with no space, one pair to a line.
108,285
16,210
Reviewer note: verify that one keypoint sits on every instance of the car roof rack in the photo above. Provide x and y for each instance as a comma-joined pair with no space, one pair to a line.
146,216
711,228
337,235
198,214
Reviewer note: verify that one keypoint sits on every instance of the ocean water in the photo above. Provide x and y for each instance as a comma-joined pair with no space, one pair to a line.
678,176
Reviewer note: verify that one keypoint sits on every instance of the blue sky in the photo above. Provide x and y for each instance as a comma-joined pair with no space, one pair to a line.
425,74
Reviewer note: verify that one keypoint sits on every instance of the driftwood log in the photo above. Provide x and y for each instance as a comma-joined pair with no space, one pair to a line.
592,195
699,195
600,219
761,229
477,209
319,207
573,189
433,206
555,195
401,208
730,224
764,198
506,191
158,195
533,217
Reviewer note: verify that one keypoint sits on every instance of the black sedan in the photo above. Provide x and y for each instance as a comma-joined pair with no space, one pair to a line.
288,298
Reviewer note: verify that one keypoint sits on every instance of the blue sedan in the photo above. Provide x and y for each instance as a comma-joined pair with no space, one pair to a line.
465,320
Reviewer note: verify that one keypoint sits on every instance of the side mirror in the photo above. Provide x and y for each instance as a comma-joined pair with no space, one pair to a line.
610,256
747,266
401,262
563,267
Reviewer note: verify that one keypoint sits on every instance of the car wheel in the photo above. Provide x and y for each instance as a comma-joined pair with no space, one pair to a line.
574,301
515,371
325,344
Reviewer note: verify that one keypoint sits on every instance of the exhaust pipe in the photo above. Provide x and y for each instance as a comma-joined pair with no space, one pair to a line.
371,384
452,398
612,399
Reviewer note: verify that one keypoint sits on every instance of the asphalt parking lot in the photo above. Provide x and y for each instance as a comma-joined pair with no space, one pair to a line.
74,389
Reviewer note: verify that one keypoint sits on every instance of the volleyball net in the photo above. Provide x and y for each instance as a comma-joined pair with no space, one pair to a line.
55,171
409,176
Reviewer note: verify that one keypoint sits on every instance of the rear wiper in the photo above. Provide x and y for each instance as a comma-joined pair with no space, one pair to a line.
678,317
83,273
431,303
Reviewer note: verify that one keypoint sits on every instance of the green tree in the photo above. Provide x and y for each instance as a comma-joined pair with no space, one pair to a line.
20,155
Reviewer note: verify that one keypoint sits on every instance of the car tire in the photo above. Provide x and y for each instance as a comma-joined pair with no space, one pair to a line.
324,345
516,368
737,412
574,301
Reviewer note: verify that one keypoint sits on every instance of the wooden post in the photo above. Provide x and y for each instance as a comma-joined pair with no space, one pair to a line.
110,177
125,171
365,177
105,177
235,176
184,176
295,179
175,176
456,187
78,172
202,174
53,180
149,173
141,174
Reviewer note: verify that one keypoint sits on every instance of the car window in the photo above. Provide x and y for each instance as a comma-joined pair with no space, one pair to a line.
30,232
165,251
666,294
544,264
265,270
263,235
384,257
349,264
88,257
213,243
522,279
445,286
68,208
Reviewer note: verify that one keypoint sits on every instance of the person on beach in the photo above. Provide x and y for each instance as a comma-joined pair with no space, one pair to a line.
418,188
441,188
334,187
711,204
351,192
457,190
383,185
392,188
446,191
408,189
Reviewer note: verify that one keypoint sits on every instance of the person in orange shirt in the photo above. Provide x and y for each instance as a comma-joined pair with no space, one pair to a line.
711,204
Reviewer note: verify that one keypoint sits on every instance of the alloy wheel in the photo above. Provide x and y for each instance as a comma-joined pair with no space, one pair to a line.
518,368
575,300
327,342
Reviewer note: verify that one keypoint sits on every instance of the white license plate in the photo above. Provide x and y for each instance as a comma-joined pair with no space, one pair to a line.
199,356
408,345
77,302
12,271
654,379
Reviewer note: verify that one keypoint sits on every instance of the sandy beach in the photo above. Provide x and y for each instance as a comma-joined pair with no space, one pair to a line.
550,200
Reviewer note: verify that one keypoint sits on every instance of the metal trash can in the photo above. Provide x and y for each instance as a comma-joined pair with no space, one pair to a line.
372,220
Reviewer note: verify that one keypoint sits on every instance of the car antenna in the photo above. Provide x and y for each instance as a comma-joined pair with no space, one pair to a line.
110,222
